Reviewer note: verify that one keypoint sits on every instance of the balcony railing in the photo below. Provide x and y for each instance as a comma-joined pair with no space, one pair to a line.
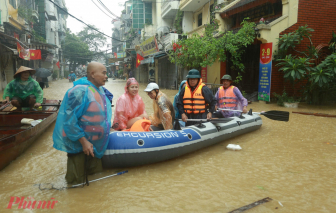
169,39
169,8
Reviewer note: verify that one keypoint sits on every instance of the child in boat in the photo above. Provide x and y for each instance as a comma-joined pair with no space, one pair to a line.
164,113
129,107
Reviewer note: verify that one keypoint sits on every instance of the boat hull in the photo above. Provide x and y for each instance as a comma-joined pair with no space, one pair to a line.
16,138
128,149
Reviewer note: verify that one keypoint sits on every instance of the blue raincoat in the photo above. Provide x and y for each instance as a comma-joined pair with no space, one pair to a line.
177,113
84,112
108,94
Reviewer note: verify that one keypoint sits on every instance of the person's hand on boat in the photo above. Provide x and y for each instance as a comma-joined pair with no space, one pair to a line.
244,109
209,116
87,146
184,117
37,105
6,100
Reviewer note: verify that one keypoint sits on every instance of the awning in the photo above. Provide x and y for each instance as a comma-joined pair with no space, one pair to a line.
160,55
244,5
113,60
15,52
148,60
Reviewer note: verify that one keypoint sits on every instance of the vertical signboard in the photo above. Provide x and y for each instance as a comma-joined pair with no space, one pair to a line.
204,74
265,72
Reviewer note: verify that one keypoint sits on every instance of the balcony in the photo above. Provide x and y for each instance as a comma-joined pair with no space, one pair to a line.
199,30
192,5
168,39
169,9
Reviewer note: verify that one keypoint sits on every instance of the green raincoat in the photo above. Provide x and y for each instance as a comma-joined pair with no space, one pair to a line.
22,89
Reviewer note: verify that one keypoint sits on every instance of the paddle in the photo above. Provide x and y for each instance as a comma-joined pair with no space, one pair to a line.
214,120
273,114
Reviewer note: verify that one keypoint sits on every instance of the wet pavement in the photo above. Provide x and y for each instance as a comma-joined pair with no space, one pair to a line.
291,162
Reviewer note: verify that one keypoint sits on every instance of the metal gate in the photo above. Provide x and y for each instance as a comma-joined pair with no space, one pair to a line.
167,74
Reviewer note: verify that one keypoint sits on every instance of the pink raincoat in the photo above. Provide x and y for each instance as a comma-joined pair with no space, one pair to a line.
127,107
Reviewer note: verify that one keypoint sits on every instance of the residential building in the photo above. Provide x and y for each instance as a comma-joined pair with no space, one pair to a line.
281,16
39,24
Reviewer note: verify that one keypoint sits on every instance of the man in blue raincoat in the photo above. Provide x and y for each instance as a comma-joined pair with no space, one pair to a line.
83,125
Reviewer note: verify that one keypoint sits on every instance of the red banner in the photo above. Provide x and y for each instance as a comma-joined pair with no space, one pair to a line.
204,73
35,54
58,65
138,60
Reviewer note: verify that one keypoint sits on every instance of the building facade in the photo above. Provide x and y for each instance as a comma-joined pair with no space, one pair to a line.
38,25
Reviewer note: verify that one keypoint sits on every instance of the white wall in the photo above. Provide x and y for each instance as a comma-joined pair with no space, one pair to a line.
187,22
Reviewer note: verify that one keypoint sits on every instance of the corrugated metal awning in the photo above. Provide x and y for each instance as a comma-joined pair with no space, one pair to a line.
15,52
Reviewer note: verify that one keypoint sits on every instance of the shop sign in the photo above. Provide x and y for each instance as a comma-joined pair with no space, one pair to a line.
265,72
121,55
149,46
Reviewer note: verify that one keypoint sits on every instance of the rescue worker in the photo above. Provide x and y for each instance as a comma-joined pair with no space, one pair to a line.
163,116
229,97
196,100
23,91
83,125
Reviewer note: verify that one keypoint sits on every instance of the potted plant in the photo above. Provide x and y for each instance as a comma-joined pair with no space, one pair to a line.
287,101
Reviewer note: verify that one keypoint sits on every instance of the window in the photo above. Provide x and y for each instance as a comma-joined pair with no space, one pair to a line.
199,19
13,3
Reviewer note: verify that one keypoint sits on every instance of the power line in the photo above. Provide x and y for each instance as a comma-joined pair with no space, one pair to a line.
84,22
108,9
101,9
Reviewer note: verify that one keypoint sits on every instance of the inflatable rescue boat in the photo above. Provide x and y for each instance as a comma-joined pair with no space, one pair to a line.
127,149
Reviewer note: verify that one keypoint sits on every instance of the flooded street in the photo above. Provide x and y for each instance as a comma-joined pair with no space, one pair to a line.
293,163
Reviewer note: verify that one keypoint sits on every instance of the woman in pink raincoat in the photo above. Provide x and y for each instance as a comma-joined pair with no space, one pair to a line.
129,107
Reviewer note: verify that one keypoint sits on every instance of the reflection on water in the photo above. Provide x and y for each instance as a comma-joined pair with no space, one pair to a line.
292,162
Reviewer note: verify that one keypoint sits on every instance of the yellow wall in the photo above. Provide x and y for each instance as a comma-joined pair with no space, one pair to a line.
270,32
205,19
213,76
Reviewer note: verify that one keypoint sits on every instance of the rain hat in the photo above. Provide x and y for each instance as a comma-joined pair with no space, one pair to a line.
151,87
23,69
193,73
226,77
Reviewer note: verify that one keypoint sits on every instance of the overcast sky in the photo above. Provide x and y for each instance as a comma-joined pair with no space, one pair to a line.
88,12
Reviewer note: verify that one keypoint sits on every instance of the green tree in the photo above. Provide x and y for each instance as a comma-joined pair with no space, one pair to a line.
200,51
319,81
75,51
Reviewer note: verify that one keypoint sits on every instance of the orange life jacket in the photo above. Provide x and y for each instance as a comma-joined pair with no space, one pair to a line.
226,98
194,102
140,126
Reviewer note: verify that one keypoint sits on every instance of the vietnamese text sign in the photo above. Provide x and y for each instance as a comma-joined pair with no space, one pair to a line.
149,46
265,72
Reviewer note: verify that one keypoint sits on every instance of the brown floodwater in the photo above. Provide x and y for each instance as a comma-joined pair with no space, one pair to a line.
294,163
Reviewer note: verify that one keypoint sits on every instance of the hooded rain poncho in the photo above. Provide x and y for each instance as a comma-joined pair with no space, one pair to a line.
22,89
127,107
163,112
85,112
177,113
